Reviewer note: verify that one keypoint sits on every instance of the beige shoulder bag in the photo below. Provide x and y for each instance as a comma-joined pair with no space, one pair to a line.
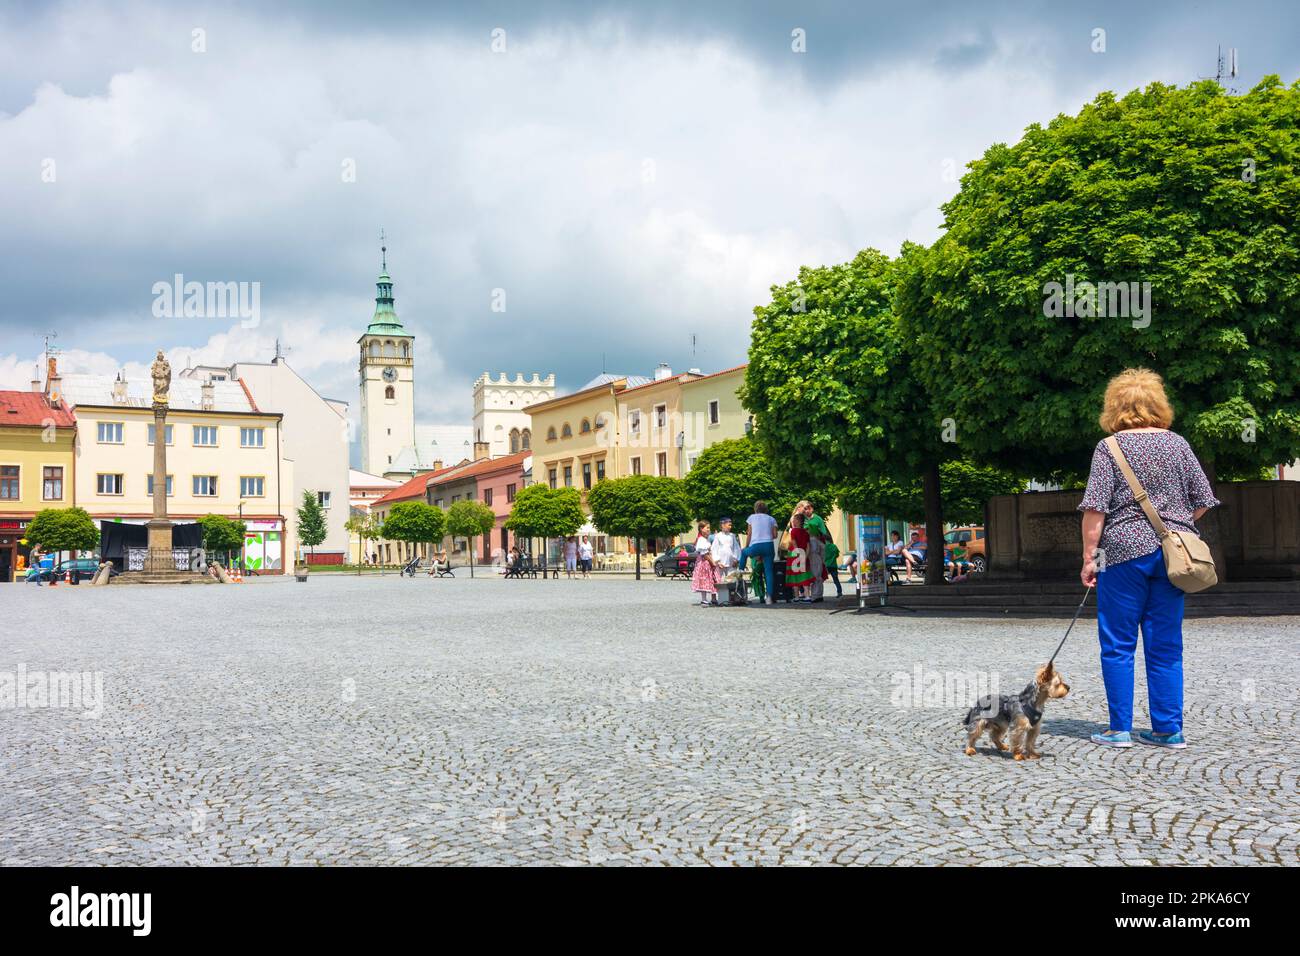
1188,561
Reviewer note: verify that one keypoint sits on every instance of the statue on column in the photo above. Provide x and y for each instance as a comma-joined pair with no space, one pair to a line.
161,371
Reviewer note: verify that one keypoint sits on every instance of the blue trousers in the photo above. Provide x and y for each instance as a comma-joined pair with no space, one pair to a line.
765,551
1130,595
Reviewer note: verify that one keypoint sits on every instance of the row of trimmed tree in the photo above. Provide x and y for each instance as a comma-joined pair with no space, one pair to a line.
1157,229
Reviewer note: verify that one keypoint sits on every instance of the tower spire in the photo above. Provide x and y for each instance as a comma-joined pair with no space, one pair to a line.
383,252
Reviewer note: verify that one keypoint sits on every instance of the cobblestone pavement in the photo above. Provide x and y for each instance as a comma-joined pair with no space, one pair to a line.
379,720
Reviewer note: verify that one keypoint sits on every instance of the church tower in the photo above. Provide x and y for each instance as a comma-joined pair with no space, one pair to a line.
387,381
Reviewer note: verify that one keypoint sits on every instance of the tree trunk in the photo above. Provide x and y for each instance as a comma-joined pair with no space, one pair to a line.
932,493
638,558
469,546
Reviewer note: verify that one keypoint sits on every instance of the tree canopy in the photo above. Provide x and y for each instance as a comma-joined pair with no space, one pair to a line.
730,475
640,506
221,533
415,523
1190,198
832,384
542,512
63,529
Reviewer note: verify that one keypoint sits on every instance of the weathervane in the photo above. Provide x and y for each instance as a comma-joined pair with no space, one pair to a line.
383,249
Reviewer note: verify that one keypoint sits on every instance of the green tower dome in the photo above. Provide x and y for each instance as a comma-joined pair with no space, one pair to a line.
385,320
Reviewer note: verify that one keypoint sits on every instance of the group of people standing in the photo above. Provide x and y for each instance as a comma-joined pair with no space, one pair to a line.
809,552
577,556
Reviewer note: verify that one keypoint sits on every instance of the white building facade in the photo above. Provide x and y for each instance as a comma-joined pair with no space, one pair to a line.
500,418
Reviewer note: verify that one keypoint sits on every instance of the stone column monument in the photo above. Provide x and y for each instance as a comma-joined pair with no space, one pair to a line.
160,526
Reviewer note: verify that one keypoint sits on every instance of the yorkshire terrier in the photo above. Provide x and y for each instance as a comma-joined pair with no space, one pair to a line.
1022,715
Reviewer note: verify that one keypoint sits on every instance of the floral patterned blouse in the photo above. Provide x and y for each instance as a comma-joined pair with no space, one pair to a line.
1167,468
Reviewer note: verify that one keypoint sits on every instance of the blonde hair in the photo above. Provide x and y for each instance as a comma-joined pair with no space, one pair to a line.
1135,398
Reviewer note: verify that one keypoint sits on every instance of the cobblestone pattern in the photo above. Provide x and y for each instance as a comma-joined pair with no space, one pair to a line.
379,720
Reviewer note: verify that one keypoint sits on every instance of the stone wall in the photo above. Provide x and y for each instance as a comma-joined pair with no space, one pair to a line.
1255,533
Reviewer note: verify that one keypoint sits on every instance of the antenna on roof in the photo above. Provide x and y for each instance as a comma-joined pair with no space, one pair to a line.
1226,64
280,351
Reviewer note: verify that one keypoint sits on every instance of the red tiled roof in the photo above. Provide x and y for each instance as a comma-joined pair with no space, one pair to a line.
31,408
411,488
484,466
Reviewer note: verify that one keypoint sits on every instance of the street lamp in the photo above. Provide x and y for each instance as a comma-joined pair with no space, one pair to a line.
242,538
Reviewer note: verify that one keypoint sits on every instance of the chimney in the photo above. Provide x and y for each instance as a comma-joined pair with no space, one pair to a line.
437,464
53,383
481,450
207,399
663,372
119,390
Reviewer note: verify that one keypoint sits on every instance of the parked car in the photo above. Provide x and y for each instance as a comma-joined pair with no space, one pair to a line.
83,569
970,537
678,559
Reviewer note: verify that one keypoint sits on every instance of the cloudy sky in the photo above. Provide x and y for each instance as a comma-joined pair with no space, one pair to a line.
633,176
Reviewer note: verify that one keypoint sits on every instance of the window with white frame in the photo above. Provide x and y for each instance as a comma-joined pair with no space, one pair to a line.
661,416
252,437
634,421
148,482
52,483
167,433
323,497
252,486
636,465
108,484
109,433
205,486
715,412
205,436
661,464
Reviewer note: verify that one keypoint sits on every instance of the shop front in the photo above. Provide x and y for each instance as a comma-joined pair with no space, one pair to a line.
13,552
264,545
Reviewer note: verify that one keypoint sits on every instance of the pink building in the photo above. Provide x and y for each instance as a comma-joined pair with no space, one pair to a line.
493,481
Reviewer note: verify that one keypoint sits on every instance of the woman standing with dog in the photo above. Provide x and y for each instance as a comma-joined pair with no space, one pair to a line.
1133,587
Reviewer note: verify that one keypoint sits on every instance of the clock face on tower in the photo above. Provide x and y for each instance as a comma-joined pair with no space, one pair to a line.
390,374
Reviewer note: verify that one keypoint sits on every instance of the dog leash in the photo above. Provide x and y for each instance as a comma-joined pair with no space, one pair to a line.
1086,592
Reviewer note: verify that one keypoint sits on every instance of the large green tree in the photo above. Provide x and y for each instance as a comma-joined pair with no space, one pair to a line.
415,523
832,385
63,529
730,475
542,512
640,507
469,520
1192,191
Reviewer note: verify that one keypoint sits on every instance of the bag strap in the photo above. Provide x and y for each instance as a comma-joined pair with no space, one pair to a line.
1139,493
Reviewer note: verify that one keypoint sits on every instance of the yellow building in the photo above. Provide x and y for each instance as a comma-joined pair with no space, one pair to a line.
652,427
224,456
36,468
711,412
576,437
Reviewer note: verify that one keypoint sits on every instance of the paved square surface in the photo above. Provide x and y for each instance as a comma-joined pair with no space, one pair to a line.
379,720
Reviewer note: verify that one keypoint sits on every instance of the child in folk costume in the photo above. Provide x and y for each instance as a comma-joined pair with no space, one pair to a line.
704,578
726,555
798,572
